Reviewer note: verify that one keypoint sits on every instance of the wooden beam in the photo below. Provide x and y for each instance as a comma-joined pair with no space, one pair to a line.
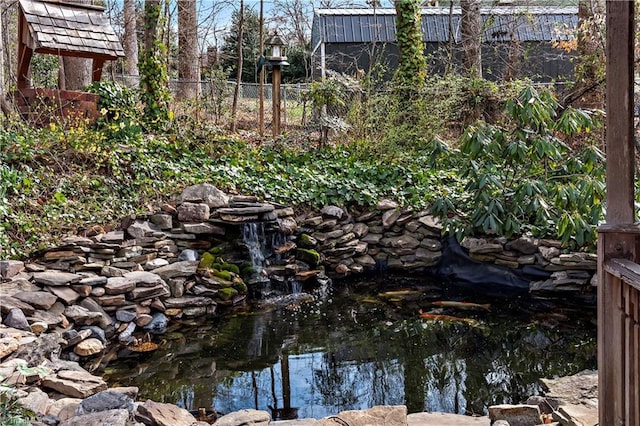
96,73
24,54
620,148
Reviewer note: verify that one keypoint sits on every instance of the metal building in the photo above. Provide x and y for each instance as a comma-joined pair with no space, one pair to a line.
531,42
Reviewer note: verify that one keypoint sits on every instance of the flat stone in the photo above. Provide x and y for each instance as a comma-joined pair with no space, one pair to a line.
524,245
431,222
234,218
50,318
580,388
183,302
144,278
579,415
367,261
390,217
162,414
516,415
248,209
37,299
112,300
549,252
142,293
126,315
17,285
93,281
245,417
162,220
64,408
203,228
89,347
360,229
110,271
142,228
39,327
105,400
118,285
36,401
66,294
8,345
431,244
205,193
404,242
10,268
82,316
55,278
386,204
17,319
193,212
118,417
76,384
93,306
332,211
445,419
376,416
113,237
177,269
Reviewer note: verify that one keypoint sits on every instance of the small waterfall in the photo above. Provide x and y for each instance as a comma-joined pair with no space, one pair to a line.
254,238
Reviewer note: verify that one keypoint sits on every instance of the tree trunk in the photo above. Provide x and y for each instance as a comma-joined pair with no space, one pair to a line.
412,68
130,43
590,69
471,37
188,60
236,93
76,72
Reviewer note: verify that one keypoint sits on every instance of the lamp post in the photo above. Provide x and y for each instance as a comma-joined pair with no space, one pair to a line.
276,59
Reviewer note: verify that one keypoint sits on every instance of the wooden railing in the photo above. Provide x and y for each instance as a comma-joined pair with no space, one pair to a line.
619,343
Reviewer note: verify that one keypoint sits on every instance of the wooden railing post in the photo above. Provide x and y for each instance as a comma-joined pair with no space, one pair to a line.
618,238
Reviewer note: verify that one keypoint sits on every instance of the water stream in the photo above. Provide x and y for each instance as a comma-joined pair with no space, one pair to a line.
307,355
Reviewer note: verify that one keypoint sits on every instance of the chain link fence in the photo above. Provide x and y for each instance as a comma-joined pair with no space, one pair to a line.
214,102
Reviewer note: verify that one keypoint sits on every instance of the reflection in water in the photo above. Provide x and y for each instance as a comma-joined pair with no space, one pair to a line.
315,359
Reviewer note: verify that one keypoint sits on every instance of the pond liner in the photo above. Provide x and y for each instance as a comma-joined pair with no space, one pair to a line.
457,267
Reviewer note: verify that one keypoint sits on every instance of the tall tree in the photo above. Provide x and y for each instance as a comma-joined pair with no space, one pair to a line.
130,40
188,58
3,102
412,68
236,93
75,73
154,79
590,70
471,29
250,44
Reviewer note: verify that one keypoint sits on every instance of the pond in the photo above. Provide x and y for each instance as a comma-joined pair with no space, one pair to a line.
314,355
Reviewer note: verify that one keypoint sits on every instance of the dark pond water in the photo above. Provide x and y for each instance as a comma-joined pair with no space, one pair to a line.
313,357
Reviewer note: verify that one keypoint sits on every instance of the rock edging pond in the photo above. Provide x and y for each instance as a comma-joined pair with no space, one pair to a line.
187,259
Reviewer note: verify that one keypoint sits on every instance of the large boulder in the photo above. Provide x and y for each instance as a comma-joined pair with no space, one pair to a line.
205,193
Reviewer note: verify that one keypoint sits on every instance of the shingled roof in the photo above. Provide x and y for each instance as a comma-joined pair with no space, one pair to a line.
70,29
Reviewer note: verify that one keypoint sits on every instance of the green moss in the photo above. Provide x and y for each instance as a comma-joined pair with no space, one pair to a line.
239,285
206,261
220,249
248,271
227,293
307,240
309,256
230,267
225,275
217,266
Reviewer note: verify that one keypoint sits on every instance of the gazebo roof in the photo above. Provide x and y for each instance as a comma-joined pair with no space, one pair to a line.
69,29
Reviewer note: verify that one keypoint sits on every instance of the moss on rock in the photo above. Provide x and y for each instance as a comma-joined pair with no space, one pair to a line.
206,261
309,256
230,267
227,293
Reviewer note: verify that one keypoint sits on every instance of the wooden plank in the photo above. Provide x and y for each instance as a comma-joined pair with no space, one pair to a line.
616,361
635,398
630,296
624,269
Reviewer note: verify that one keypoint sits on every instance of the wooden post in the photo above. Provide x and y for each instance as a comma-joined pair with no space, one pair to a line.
275,96
619,237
